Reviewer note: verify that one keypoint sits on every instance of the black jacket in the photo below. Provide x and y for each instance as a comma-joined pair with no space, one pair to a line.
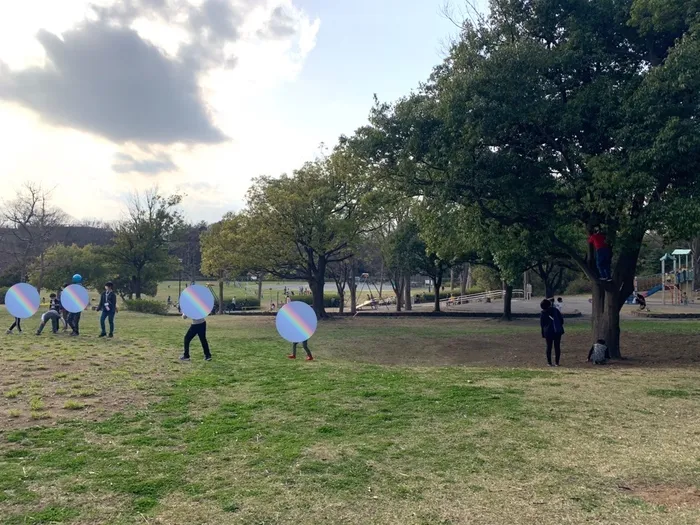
552,323
109,298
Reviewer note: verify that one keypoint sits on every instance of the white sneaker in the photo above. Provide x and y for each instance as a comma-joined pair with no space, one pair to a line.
8,332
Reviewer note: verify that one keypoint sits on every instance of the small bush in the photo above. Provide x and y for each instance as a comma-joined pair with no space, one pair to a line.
36,404
3,293
11,394
329,300
246,302
146,306
579,286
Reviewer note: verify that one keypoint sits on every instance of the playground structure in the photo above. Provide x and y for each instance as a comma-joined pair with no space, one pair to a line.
483,297
676,287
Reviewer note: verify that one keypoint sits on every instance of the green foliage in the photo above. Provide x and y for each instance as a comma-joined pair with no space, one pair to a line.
10,276
329,300
139,251
61,262
245,302
222,247
579,286
146,306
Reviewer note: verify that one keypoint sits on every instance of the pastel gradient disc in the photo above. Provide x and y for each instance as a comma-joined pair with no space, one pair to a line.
75,298
22,300
196,301
296,322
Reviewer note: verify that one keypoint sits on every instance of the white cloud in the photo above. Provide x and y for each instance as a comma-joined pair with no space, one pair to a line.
80,164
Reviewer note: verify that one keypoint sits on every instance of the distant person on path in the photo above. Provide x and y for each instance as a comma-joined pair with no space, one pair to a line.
642,302
108,306
51,315
170,302
603,254
552,324
559,305
197,328
305,344
599,353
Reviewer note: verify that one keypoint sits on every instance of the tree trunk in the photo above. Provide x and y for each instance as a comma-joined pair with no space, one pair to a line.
137,285
221,296
381,279
508,303
260,285
452,279
437,282
408,306
398,291
40,284
317,284
341,296
353,289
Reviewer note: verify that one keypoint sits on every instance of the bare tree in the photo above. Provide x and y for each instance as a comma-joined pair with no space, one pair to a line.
32,222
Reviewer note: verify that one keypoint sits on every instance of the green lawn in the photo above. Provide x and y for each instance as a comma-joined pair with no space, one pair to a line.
378,430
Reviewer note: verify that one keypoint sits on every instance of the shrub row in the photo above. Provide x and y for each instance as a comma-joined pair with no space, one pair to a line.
146,306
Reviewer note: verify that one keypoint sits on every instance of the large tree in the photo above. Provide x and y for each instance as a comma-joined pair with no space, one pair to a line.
61,262
32,221
559,114
221,251
300,224
139,252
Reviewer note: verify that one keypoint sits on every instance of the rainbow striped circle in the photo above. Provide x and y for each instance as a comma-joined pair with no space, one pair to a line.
75,298
22,300
196,301
296,322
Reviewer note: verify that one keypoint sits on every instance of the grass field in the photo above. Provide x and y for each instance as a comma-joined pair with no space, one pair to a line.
411,421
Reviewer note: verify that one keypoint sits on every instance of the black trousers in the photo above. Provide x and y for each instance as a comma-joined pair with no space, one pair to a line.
197,330
74,322
556,342
17,323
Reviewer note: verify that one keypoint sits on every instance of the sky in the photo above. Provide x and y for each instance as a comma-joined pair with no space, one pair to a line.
102,98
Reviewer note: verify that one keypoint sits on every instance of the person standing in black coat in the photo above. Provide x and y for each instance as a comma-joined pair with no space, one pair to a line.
108,306
552,324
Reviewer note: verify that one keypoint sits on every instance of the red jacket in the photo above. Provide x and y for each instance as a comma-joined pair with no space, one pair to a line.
598,241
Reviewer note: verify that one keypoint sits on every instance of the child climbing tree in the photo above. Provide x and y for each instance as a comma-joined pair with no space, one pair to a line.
522,122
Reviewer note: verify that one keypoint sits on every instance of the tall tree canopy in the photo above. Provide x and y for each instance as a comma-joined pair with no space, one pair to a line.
298,225
561,114
139,253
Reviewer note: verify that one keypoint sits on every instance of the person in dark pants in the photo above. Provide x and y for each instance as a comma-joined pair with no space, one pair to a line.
603,254
51,315
74,323
197,328
293,355
108,306
65,314
552,324
18,324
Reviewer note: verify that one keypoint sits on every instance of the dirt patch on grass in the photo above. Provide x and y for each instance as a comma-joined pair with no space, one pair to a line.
519,348
44,384
667,496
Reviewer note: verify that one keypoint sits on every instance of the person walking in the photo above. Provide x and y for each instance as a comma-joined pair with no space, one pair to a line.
305,344
108,306
552,324
197,328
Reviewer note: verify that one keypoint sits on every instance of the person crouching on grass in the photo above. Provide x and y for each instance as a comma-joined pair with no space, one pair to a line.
197,328
552,324
51,315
